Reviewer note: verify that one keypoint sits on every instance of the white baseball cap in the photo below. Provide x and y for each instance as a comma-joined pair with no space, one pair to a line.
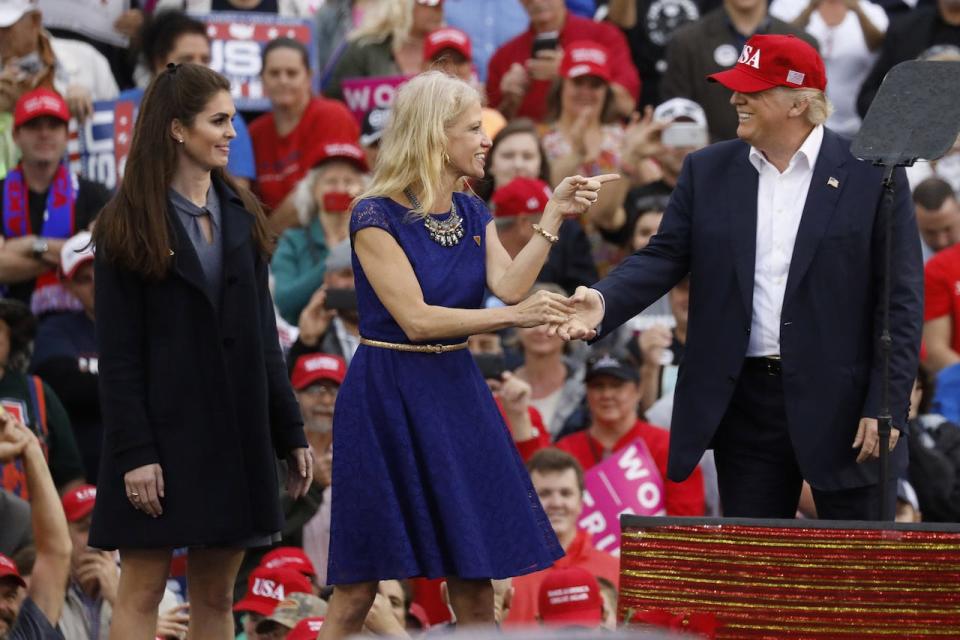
13,10
680,108
75,252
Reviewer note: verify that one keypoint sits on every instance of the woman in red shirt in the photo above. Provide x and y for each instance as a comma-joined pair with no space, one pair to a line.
287,140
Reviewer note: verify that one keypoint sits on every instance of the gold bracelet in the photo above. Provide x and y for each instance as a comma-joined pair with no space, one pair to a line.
552,239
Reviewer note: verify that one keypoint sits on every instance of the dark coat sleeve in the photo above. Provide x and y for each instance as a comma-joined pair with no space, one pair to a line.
286,424
906,306
644,277
120,326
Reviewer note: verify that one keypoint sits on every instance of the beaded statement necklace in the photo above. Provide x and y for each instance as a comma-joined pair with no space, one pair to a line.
446,233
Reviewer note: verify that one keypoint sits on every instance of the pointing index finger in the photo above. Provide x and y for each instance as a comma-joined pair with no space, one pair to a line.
606,177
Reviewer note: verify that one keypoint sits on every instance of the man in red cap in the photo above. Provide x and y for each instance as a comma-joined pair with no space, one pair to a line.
43,203
266,588
778,231
31,612
517,206
570,597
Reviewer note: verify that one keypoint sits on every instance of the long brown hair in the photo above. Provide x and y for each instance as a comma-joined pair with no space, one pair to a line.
133,230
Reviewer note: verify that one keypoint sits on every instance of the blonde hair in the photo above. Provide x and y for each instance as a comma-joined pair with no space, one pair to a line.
819,106
413,147
388,18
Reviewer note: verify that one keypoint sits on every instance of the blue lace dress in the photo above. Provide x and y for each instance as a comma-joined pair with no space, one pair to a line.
426,478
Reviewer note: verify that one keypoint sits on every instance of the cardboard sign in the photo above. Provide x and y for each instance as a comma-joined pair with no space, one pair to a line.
626,482
363,94
236,45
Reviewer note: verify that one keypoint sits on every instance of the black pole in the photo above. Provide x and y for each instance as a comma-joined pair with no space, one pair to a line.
885,420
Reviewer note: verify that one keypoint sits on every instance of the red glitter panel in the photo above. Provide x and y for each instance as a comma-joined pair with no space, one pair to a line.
784,579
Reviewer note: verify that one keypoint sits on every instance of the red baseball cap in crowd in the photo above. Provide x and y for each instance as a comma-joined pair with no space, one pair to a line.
9,570
37,103
585,58
570,597
266,588
306,629
769,61
447,38
290,558
317,366
343,150
78,503
520,197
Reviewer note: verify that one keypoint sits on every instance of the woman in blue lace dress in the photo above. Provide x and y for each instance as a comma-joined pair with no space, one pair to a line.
426,479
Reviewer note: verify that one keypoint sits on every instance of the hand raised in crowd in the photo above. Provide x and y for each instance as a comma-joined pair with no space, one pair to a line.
514,394
543,307
653,341
80,101
587,316
173,623
642,137
586,140
545,65
868,439
315,318
381,621
575,194
98,574
129,22
299,471
14,437
515,81
144,487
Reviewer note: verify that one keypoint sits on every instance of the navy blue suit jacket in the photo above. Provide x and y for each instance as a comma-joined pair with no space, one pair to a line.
831,316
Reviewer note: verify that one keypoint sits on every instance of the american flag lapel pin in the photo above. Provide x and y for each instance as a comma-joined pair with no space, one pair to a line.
477,240
833,182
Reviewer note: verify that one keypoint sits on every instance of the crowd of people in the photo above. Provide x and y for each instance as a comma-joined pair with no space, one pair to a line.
585,87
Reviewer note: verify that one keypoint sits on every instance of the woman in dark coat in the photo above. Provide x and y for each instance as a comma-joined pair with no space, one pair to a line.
195,397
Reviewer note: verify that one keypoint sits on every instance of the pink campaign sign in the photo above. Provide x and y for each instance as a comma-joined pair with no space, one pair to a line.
363,94
626,482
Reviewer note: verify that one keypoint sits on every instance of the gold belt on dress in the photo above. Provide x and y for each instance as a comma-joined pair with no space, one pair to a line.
417,348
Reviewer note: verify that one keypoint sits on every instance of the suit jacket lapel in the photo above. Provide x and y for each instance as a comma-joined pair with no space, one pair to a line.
828,181
742,182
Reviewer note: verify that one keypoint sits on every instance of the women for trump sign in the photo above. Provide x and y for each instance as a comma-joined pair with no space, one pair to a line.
628,482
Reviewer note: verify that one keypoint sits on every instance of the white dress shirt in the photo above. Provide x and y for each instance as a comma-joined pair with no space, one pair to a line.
780,201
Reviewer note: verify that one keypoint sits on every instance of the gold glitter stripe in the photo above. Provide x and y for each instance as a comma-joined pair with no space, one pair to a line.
793,543
881,586
950,632
681,596
773,562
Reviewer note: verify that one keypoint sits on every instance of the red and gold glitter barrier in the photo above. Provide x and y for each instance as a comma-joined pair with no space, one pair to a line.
791,578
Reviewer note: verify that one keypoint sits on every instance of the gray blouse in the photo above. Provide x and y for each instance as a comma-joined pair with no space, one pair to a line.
210,254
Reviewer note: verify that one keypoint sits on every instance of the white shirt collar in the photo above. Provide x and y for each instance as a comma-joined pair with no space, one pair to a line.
808,151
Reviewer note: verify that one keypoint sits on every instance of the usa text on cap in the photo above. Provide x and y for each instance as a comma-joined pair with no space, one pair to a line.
769,61
268,587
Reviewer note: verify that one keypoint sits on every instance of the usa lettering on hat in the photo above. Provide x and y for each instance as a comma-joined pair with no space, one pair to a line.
750,57
769,61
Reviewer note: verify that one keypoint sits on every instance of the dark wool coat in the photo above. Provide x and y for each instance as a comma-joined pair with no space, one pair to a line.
202,393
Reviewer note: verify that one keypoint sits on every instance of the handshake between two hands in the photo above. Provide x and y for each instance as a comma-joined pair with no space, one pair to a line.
572,318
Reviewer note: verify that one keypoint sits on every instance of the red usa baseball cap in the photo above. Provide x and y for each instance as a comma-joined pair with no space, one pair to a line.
447,38
317,366
570,597
769,61
585,58
37,103
9,570
289,557
306,629
266,588
343,150
520,197
78,503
